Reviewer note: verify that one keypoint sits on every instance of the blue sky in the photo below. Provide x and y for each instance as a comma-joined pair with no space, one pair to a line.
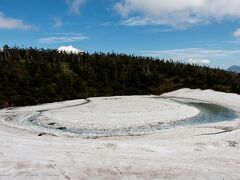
195,31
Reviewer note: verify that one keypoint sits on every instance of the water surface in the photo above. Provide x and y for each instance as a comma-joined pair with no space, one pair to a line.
209,113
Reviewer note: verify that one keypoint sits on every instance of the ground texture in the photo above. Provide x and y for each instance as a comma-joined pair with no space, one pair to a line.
209,151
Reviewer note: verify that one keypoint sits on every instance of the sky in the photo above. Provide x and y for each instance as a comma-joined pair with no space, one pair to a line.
206,32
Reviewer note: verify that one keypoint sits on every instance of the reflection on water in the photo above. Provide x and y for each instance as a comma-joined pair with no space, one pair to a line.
209,113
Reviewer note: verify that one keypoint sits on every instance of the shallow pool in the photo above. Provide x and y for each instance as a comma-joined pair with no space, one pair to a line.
209,113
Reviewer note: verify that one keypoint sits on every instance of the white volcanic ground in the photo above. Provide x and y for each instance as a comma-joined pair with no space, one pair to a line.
120,112
208,151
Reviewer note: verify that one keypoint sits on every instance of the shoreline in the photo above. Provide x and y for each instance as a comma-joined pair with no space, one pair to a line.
208,151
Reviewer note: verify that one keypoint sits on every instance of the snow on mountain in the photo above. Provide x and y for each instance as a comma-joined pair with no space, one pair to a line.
234,68
69,50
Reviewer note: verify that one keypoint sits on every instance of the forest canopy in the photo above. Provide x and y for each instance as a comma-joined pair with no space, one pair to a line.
33,76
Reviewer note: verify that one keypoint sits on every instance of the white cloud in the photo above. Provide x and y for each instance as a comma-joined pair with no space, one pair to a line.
194,55
74,5
64,38
236,33
198,61
57,22
177,13
11,23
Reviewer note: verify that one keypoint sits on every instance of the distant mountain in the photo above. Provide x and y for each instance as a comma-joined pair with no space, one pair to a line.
234,68
69,50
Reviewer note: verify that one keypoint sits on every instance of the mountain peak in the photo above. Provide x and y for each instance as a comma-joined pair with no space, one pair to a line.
234,68
69,50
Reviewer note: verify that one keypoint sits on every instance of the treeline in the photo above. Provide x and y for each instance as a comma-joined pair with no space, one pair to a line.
34,76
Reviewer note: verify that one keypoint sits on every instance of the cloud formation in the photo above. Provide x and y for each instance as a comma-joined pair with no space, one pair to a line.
236,33
193,55
198,61
74,5
57,22
176,13
63,38
11,23
196,53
